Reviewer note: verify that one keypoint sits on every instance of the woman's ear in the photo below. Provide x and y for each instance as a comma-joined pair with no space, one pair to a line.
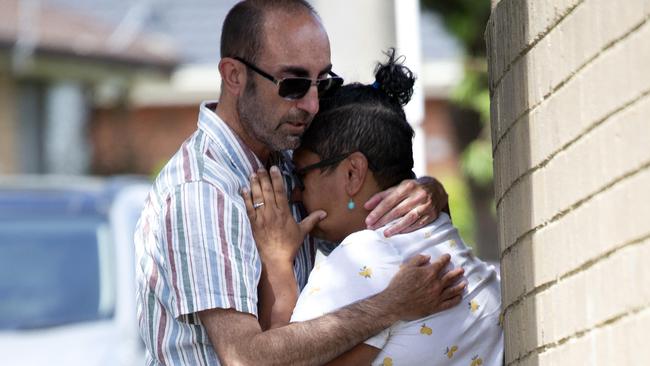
356,170
233,76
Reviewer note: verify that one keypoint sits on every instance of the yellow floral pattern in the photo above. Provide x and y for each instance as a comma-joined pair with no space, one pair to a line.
473,306
365,272
426,330
476,361
451,350
387,361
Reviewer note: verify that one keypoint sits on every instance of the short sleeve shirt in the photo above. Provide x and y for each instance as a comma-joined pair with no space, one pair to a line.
194,245
364,264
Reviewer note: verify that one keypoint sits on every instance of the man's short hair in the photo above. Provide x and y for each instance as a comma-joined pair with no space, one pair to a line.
242,32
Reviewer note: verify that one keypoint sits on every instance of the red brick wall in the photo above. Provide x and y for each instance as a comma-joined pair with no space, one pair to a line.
138,140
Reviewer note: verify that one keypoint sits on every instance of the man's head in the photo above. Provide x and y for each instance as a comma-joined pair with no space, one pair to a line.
263,42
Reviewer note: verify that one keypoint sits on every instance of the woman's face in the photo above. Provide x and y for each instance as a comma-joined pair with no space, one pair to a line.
324,190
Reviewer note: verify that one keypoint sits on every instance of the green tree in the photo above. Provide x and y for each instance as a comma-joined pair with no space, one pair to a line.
466,20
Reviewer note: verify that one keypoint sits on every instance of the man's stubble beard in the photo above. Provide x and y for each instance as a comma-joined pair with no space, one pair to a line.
254,117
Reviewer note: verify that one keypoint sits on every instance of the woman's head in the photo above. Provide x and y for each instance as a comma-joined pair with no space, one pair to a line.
360,141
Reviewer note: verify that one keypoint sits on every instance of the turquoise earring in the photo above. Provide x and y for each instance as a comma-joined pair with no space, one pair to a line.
351,205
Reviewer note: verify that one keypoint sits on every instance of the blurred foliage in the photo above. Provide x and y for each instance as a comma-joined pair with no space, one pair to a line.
466,20
460,206
476,162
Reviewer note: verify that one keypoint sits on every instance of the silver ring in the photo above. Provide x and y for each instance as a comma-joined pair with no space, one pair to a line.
257,205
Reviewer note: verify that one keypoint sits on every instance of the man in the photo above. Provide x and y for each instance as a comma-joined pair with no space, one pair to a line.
198,267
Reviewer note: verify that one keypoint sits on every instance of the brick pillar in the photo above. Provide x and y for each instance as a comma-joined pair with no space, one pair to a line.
570,86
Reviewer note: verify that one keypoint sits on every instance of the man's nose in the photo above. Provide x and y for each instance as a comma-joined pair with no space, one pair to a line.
309,103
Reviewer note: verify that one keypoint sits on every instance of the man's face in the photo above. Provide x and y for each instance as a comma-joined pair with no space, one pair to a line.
295,45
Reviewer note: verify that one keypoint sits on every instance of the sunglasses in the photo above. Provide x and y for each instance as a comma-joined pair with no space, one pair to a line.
293,88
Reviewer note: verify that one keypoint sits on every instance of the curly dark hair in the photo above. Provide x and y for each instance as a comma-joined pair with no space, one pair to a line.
369,119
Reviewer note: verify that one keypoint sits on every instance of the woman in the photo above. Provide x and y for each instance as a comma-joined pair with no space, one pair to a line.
360,144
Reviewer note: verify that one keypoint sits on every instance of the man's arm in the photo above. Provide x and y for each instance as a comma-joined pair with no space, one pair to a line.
278,237
416,291
414,202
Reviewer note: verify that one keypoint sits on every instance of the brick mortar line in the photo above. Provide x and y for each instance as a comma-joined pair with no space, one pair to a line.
644,166
581,135
583,267
570,77
621,316
534,42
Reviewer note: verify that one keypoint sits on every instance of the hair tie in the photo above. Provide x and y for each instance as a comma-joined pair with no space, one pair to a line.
376,84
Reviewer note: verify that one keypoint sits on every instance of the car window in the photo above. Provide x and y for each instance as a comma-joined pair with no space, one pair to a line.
54,272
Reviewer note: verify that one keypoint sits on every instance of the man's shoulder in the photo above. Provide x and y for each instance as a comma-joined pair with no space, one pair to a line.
196,161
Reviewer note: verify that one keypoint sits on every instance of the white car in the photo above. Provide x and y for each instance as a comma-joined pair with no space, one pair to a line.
67,271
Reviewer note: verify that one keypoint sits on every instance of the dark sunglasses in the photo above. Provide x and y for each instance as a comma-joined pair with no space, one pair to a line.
293,88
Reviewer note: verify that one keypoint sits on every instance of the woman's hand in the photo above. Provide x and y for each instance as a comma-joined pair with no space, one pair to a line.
415,202
278,237
277,234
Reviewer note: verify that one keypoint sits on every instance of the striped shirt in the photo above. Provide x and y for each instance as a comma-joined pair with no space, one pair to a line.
194,245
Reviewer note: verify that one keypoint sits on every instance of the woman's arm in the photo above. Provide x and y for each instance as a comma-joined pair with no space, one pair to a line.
278,237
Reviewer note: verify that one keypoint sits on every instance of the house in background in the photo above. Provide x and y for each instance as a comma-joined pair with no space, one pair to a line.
56,67
141,134
112,86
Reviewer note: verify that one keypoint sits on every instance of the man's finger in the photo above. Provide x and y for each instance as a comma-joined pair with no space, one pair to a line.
418,260
440,263
401,226
448,304
397,203
453,291
375,199
308,223
418,224
452,276
389,201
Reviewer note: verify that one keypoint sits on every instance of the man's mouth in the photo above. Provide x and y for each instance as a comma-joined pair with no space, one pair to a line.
296,126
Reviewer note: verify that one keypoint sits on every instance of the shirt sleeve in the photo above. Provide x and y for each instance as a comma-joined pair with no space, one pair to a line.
210,258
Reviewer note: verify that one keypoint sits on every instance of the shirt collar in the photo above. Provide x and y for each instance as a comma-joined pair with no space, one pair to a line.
225,140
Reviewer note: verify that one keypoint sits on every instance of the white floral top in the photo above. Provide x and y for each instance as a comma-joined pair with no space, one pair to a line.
470,334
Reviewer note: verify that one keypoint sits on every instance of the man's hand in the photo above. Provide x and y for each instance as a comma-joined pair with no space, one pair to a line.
416,202
420,288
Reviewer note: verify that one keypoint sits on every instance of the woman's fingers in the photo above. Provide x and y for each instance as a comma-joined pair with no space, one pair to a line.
248,202
278,189
256,192
268,197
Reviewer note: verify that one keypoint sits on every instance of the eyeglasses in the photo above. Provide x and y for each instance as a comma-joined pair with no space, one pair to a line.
300,173
293,88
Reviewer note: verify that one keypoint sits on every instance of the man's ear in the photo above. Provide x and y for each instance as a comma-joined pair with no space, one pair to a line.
233,76
356,170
